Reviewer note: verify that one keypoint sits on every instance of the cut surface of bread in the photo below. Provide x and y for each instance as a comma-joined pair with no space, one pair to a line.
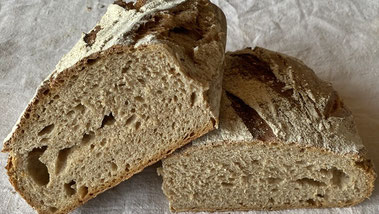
285,141
106,112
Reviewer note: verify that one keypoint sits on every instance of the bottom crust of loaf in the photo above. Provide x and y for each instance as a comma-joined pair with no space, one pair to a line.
263,176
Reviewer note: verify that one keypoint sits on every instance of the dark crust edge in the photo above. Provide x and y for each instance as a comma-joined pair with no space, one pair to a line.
259,53
53,83
365,165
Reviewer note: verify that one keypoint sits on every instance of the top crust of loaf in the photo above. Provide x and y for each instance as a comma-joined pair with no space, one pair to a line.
292,102
151,23
116,27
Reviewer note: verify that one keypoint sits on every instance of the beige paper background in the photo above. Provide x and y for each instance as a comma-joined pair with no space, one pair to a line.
338,39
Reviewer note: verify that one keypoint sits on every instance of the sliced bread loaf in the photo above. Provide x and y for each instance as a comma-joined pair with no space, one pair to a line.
286,140
144,82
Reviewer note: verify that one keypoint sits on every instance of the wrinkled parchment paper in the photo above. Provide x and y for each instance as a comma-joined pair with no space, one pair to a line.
338,39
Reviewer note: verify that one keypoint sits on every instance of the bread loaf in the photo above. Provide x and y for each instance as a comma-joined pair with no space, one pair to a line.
144,82
286,140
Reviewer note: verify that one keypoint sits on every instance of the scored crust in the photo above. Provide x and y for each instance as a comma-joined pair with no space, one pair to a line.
258,84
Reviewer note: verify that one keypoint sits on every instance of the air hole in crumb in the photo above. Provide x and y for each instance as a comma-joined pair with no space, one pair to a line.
62,160
126,102
88,137
108,120
139,99
141,81
175,98
310,182
103,142
44,140
36,169
114,166
213,122
46,92
159,92
56,97
53,209
70,113
339,178
83,191
92,146
311,202
69,188
91,61
274,180
225,184
138,125
125,69
98,154
130,120
193,98
127,167
80,108
172,71
133,110
302,150
46,130
319,195
271,200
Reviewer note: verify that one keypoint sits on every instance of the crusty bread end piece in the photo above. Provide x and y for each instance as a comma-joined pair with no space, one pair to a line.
144,82
285,141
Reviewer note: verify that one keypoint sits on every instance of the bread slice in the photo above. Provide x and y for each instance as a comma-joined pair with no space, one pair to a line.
286,140
144,82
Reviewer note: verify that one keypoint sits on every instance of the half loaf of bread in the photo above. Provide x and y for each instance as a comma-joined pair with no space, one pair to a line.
144,82
286,140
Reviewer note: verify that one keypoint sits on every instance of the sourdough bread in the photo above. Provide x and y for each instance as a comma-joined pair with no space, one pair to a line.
286,140
144,82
